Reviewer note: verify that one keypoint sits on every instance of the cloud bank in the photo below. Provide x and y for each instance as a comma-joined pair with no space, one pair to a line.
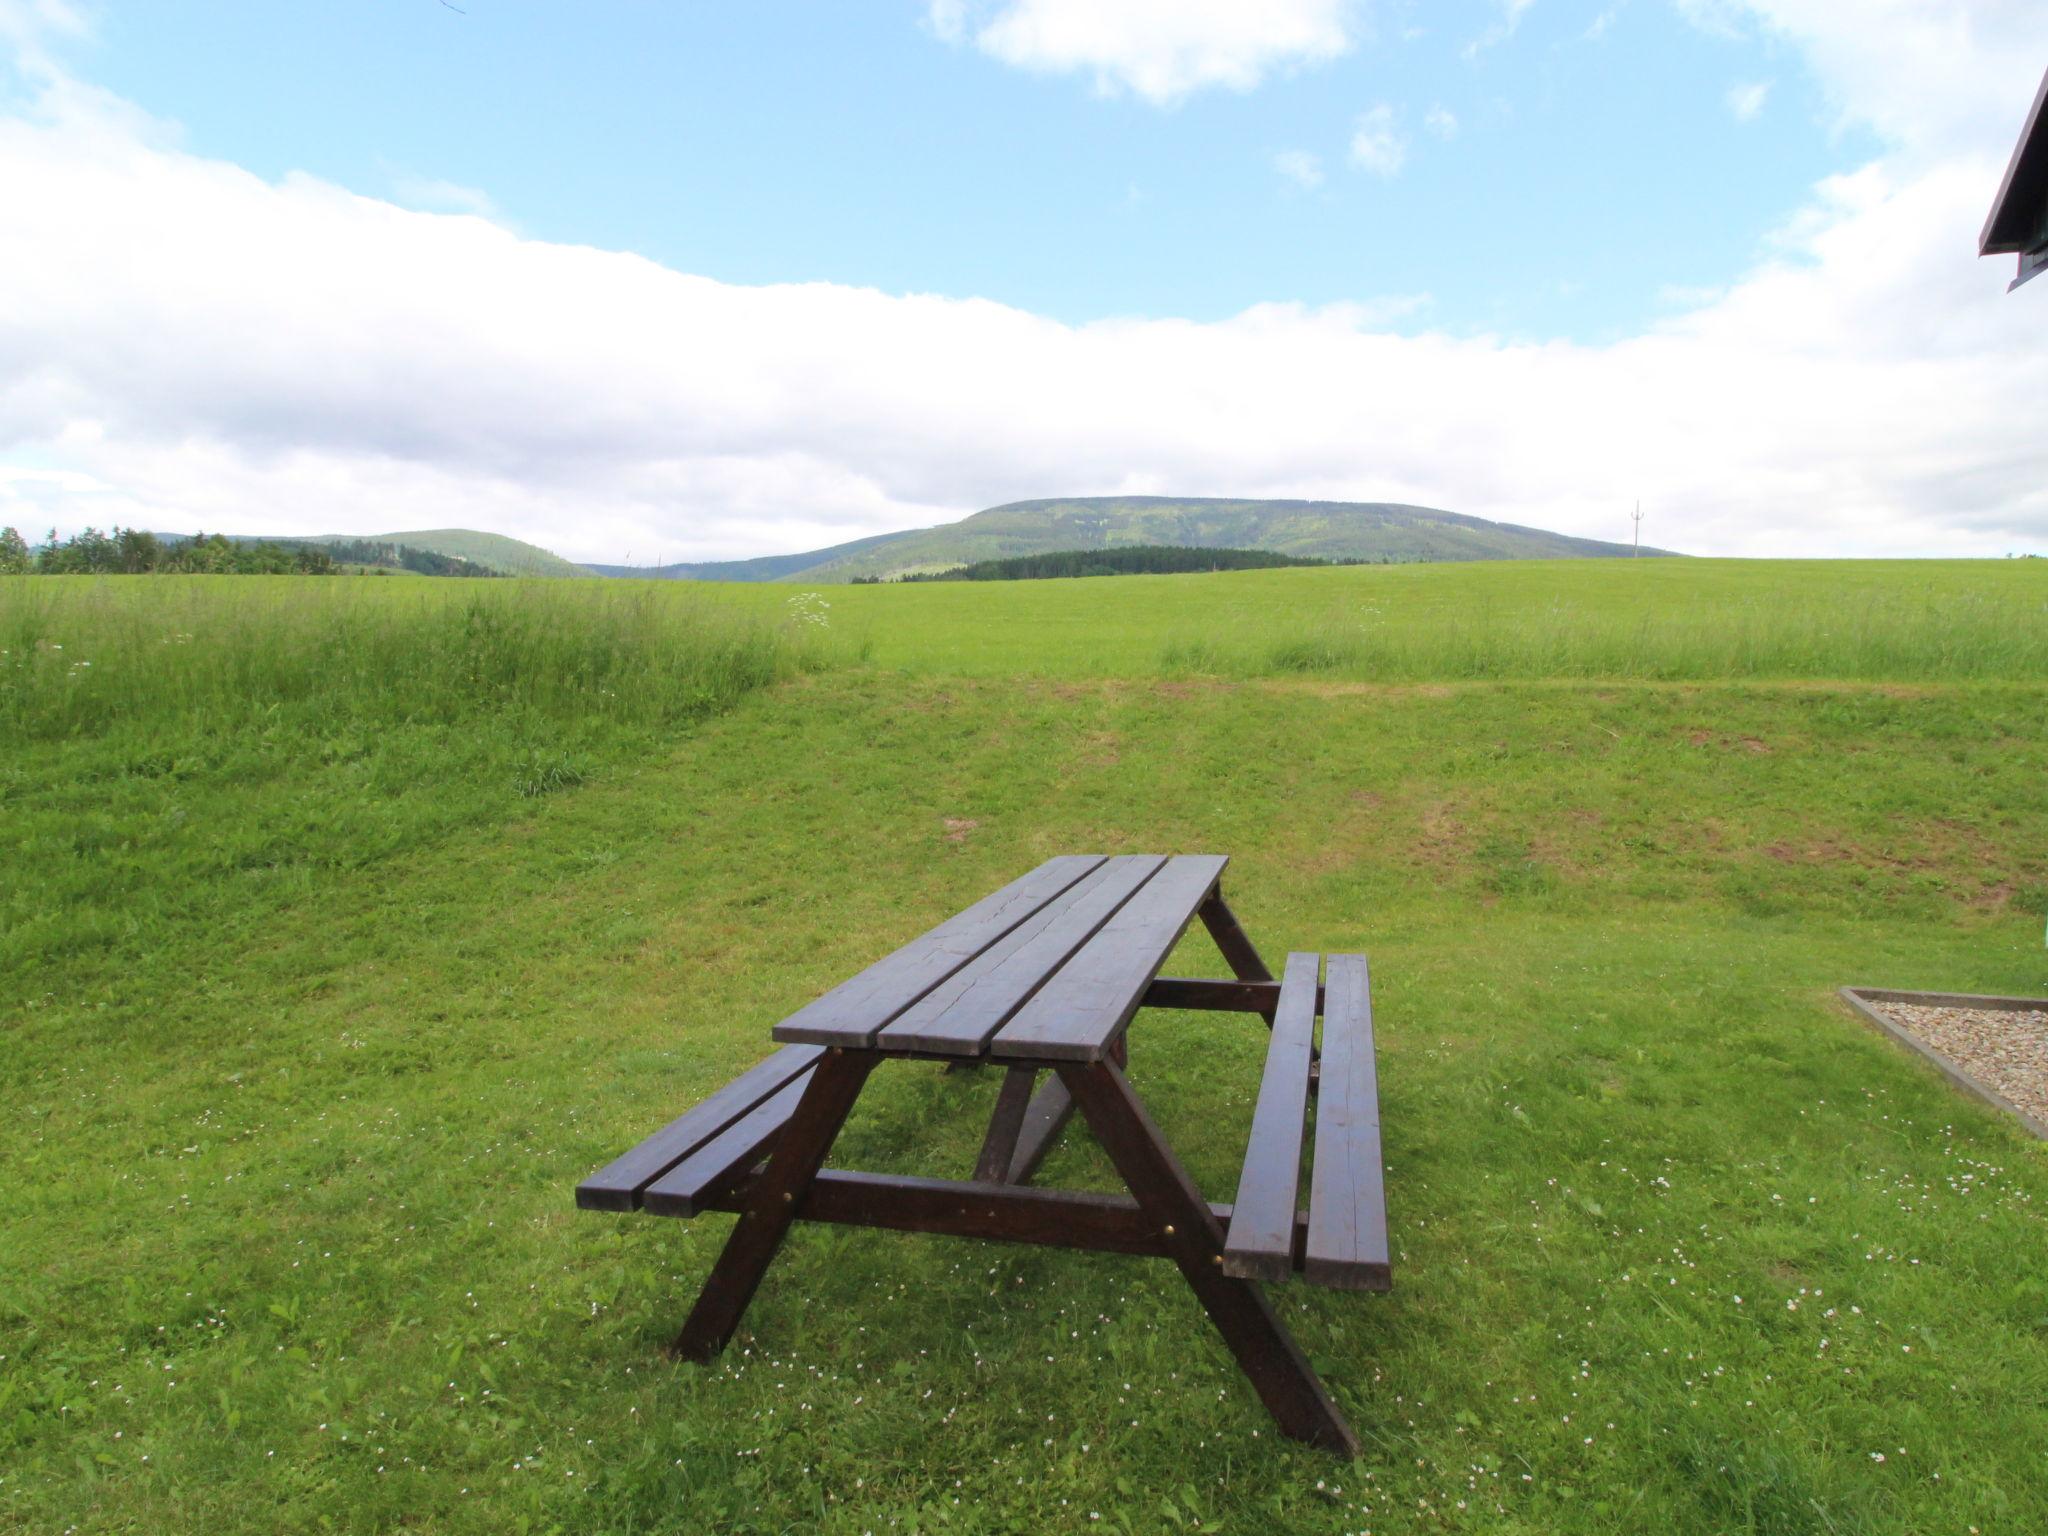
184,344
1159,50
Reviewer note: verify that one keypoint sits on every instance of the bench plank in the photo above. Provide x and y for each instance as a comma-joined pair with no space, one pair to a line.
1347,1206
958,1016
1087,1003
722,1159
1261,1243
851,1013
617,1186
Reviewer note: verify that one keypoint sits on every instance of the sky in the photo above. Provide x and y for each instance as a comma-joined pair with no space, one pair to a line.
698,281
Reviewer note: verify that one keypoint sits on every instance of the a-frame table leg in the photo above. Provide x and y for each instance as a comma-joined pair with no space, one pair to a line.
777,1194
1050,1109
1231,938
1265,1351
1000,1144
1245,962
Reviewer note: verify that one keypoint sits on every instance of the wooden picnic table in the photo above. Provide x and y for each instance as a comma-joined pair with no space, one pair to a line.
1042,979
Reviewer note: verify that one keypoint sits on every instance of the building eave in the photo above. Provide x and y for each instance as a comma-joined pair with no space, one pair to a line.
2015,221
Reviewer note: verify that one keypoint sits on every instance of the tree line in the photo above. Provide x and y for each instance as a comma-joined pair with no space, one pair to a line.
1123,560
137,552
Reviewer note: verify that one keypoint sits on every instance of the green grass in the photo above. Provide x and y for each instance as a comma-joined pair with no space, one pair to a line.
324,981
1527,620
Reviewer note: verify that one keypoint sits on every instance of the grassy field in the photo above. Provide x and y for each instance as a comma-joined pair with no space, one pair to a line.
349,924
1525,620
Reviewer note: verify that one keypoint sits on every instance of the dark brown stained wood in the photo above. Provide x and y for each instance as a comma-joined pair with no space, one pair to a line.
713,1166
1055,965
1000,1144
1230,938
853,1011
1207,993
1261,1245
1265,1351
1347,1203
1050,1110
772,1199
998,1212
958,1016
902,1030
617,1186
1086,1004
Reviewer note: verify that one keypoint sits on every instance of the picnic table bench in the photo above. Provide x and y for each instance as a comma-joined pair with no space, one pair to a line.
1043,978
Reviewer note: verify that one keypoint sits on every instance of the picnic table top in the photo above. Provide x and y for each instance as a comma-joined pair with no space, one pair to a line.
1049,968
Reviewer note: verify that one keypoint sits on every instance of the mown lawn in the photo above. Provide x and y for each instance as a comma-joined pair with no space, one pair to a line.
307,1045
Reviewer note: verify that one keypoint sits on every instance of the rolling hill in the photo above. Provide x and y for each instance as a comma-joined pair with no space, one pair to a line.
511,557
1330,530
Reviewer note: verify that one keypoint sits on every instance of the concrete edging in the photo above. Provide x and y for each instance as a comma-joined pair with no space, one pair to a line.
1865,1000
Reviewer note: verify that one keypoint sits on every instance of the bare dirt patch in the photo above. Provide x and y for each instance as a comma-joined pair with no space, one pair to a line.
1445,842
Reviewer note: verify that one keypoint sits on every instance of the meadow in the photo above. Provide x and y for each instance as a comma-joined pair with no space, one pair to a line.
348,924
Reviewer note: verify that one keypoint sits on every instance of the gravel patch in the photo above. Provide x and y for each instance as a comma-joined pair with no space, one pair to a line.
2006,1049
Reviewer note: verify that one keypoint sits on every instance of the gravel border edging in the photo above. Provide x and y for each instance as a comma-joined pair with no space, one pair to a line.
1866,1000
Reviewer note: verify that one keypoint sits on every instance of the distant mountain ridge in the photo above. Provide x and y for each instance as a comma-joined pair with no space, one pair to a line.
494,551
493,554
1329,530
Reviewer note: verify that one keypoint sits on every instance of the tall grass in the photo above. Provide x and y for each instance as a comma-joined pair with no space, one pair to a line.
1904,636
1909,620
168,744
201,653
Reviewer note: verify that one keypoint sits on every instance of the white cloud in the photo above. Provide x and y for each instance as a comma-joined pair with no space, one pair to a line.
27,25
1441,121
947,19
1604,22
1503,28
1933,77
185,344
1746,99
1377,142
429,194
1159,50
1300,167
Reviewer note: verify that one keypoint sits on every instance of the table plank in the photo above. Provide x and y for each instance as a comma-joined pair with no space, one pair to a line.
851,1013
957,1017
1261,1242
1089,1000
1347,1203
617,1186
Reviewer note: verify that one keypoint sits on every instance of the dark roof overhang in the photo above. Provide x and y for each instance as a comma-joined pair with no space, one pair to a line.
2019,216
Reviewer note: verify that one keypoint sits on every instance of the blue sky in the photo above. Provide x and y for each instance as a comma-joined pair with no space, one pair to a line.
1581,168
717,280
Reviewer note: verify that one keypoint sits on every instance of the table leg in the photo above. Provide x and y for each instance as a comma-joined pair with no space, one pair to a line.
1231,938
1051,1108
1245,962
1000,1145
773,1202
1265,1351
